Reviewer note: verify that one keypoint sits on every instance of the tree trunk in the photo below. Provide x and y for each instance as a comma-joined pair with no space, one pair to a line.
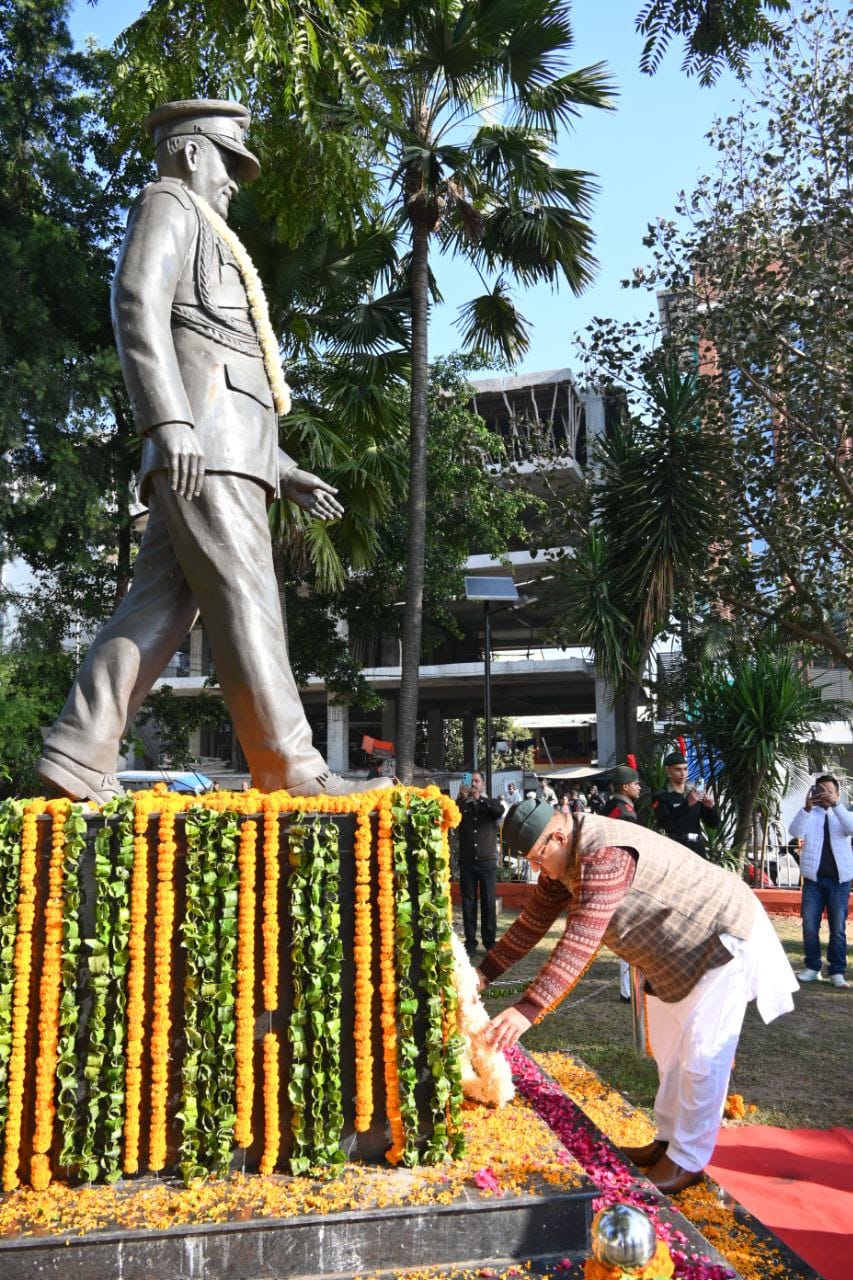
413,609
746,817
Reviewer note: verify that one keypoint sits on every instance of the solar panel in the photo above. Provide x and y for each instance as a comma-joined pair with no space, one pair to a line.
484,588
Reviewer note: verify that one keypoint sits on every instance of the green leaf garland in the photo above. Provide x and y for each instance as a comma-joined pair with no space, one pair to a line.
314,1031
69,1011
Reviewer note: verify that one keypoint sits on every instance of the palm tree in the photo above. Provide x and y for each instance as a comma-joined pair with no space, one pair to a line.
473,94
643,535
755,718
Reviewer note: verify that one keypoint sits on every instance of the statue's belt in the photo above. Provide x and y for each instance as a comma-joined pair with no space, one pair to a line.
242,337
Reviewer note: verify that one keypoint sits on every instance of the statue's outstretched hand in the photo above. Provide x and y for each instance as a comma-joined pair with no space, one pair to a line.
311,494
178,443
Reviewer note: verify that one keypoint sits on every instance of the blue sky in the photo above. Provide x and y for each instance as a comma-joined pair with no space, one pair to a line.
643,153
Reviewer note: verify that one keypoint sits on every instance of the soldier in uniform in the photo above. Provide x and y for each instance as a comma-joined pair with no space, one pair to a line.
625,782
205,389
679,809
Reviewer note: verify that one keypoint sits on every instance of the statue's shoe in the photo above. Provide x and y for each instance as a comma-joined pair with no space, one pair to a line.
332,784
77,781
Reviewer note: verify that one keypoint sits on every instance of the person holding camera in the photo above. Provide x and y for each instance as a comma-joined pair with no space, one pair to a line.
478,862
826,865
681,809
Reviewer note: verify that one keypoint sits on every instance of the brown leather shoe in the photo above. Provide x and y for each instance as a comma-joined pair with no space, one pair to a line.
332,784
670,1178
642,1157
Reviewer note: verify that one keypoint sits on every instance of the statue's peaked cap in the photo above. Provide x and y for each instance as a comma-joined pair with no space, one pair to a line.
224,123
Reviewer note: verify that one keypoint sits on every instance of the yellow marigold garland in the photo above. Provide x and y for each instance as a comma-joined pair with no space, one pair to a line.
269,927
388,983
143,804
272,1085
49,993
21,999
164,924
363,959
245,1011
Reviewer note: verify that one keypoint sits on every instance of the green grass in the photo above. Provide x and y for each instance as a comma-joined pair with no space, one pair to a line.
796,1070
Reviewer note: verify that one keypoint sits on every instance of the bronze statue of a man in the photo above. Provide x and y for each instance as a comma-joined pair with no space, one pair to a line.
201,369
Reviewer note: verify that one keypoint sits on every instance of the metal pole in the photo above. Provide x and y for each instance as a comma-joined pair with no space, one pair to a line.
487,698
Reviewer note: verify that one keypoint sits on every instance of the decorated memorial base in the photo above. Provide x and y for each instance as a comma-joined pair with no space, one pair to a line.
234,1039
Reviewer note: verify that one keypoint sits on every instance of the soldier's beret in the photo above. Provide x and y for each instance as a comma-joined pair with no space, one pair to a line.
675,757
524,825
225,123
623,773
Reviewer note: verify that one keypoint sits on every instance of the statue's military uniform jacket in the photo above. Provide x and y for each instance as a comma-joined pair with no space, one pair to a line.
187,344
670,921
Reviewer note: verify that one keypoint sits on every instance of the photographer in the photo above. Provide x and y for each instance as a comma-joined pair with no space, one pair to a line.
826,863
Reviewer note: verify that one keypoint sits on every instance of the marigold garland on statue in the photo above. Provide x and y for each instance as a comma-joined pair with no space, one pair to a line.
388,981
49,994
363,961
272,1086
246,985
26,910
270,928
142,808
164,924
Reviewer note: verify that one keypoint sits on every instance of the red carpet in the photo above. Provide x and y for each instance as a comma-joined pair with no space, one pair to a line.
799,1183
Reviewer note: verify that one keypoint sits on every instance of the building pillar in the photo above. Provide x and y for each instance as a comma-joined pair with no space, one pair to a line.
435,738
197,664
337,736
605,721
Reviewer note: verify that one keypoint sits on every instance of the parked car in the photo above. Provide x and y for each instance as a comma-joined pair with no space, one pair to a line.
187,782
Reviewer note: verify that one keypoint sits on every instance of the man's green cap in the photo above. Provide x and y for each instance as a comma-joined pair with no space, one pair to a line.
674,757
623,773
524,825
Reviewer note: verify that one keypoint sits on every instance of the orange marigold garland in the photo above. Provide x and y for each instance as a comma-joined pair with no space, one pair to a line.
49,992
21,999
143,804
164,924
363,958
245,1010
272,1084
270,928
388,983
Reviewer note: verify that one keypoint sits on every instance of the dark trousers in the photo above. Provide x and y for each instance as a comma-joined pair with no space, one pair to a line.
482,876
834,896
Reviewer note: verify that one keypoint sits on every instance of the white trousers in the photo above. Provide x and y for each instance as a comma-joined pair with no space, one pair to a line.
695,1039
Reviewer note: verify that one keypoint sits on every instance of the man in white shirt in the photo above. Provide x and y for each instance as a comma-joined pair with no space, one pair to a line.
826,863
